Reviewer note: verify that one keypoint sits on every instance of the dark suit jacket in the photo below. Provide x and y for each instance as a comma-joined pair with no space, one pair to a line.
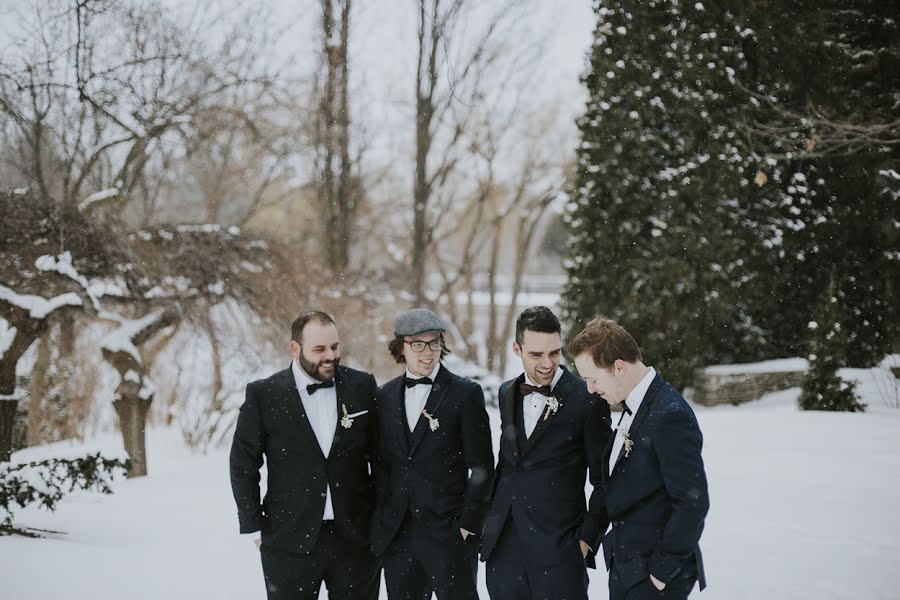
657,497
427,472
541,479
273,423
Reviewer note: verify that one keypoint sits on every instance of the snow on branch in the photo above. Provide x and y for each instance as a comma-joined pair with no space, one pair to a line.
7,336
37,306
124,337
63,265
101,196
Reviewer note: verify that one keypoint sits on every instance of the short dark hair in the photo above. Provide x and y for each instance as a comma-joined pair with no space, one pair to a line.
395,347
607,341
537,318
311,316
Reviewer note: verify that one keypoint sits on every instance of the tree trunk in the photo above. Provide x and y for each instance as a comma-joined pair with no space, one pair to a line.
7,418
38,392
336,189
132,412
27,329
491,342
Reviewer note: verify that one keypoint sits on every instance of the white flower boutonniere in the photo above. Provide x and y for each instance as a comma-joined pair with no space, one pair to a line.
629,443
433,423
552,407
346,421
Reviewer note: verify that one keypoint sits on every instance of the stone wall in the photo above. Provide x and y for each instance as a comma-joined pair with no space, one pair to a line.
719,385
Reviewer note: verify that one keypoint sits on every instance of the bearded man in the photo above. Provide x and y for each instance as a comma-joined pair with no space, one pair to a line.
314,423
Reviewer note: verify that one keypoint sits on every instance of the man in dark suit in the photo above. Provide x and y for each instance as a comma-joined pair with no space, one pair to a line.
435,469
315,424
538,532
656,493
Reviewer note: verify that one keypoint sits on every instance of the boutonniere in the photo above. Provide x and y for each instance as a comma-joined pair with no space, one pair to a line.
346,421
552,407
433,423
629,443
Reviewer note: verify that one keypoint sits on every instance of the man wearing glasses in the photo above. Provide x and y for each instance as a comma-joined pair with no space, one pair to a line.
435,469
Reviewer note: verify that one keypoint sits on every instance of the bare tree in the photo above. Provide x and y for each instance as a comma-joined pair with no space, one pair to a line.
448,83
102,94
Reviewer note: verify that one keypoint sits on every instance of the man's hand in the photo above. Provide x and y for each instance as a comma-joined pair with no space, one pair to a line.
258,542
585,548
465,533
657,583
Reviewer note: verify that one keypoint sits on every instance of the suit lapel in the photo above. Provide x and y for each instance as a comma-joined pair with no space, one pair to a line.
646,403
295,408
508,422
606,452
396,393
435,398
340,392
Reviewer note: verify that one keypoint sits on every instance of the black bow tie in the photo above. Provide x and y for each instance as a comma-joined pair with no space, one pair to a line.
311,388
625,410
414,382
526,389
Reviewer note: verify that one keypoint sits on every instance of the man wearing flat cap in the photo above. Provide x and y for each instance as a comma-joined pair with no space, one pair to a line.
435,472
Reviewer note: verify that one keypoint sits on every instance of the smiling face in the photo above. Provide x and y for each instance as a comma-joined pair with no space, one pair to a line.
609,383
540,354
421,364
319,351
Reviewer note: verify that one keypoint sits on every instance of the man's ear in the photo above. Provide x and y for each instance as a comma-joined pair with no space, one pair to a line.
516,348
295,348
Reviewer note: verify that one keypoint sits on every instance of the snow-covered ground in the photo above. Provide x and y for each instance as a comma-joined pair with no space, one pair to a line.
804,505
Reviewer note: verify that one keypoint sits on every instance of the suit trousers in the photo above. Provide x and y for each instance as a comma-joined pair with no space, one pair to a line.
678,589
350,572
513,575
416,562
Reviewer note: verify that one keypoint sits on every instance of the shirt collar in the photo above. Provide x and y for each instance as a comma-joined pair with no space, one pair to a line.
636,397
432,375
556,377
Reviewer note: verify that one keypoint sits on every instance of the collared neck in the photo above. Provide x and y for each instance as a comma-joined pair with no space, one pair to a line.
636,397
301,377
432,375
556,377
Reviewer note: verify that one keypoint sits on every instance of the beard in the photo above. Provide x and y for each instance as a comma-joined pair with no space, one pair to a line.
312,368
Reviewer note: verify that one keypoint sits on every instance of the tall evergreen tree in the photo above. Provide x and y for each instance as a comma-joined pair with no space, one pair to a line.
732,156
823,388
655,210
821,124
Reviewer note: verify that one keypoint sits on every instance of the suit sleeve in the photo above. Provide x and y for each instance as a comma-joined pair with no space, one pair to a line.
596,436
678,444
246,460
479,458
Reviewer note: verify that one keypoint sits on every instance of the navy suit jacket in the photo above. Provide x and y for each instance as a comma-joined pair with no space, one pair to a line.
273,424
541,479
657,496
442,476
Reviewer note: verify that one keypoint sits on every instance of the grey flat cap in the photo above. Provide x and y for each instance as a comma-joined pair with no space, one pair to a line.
416,321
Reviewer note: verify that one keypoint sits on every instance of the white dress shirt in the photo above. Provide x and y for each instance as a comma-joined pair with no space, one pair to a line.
634,400
417,396
321,410
534,403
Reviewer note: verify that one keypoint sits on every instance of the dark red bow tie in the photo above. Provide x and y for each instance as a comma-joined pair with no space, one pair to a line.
526,389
